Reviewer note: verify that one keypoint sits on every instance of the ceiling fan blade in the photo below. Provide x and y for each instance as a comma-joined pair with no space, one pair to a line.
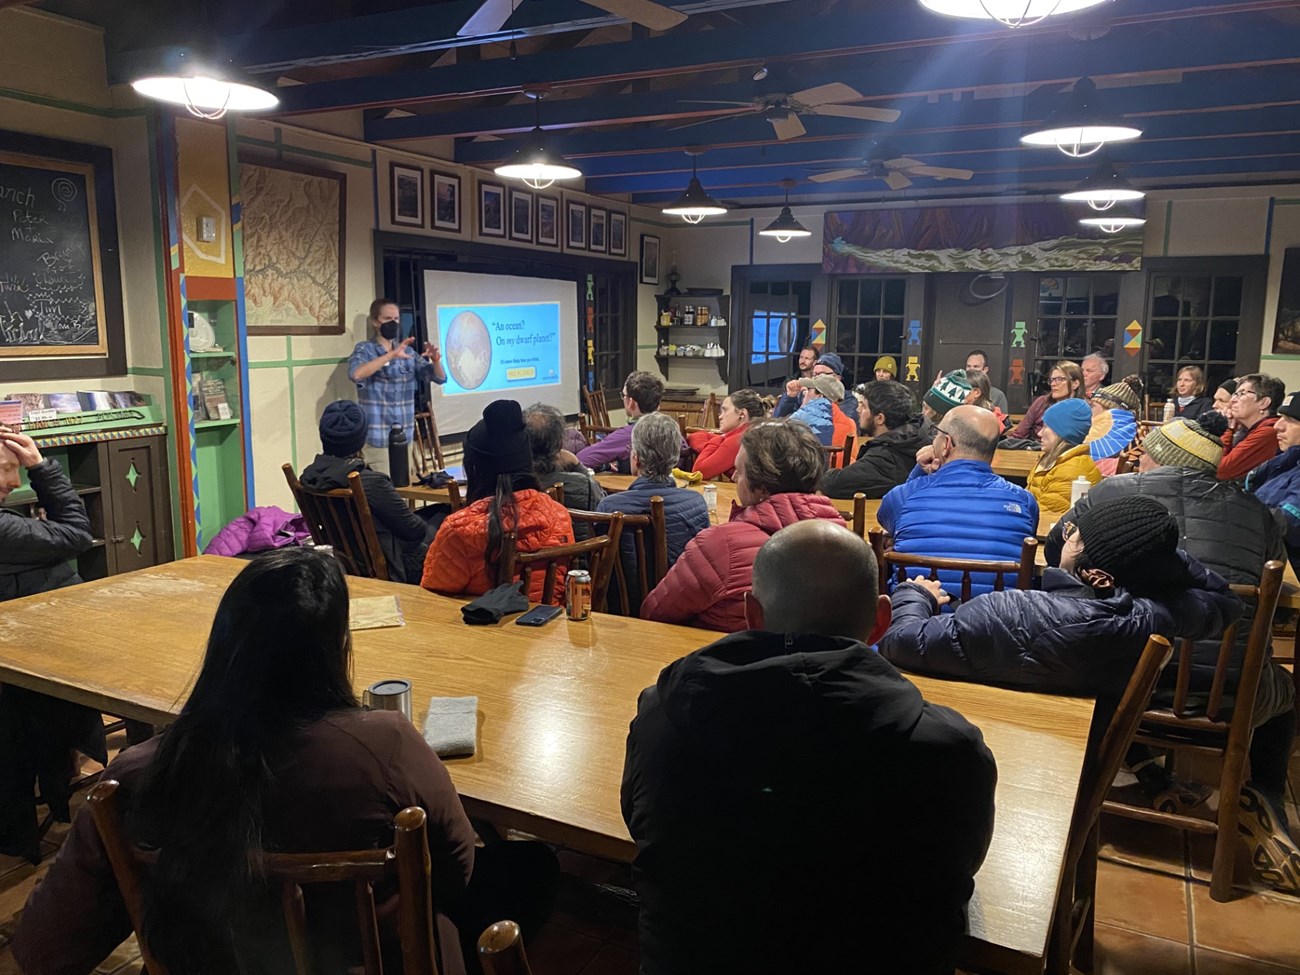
835,174
903,162
941,172
824,94
705,121
897,181
647,13
704,101
788,127
489,18
859,111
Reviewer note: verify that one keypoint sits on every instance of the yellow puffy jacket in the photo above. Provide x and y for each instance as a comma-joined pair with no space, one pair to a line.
1051,488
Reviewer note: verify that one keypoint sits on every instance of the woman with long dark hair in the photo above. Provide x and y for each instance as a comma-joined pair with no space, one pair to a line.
270,752
504,496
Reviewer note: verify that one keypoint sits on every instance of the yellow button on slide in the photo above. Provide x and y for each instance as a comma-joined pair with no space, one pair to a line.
521,372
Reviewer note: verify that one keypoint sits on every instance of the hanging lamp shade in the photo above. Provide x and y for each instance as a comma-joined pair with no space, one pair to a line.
537,164
208,86
1012,13
695,204
785,227
1113,221
1103,189
1079,128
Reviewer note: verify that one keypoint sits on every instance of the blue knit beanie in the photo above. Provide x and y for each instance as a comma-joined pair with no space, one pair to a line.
342,428
1070,419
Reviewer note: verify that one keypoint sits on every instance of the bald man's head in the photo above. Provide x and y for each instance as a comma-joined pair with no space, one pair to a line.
799,591
975,433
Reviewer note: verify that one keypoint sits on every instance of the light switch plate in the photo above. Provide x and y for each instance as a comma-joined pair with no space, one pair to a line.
207,229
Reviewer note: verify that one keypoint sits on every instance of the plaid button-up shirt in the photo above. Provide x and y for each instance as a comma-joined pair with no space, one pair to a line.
388,396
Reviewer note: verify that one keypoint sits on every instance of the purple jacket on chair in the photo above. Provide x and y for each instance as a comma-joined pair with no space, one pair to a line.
258,530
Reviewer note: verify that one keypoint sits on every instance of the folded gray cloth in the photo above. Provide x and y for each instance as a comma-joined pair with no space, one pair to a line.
451,727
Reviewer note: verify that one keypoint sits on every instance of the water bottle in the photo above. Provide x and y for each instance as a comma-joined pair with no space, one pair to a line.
711,501
1078,488
1169,410
399,457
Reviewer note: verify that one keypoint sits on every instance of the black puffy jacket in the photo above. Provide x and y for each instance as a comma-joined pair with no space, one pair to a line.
884,462
1223,527
1062,639
34,553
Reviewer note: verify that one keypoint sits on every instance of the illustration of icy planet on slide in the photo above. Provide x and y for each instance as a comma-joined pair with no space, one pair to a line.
469,350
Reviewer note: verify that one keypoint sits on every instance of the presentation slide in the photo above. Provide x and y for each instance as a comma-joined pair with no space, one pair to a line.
502,337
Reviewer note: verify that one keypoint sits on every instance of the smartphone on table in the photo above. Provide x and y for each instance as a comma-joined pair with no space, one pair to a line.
539,615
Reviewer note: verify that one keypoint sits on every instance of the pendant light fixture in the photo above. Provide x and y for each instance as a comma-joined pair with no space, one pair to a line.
1103,189
208,87
1079,128
694,205
535,162
1012,13
1112,222
785,227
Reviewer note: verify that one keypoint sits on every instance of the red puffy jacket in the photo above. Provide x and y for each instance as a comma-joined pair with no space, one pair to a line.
706,587
715,453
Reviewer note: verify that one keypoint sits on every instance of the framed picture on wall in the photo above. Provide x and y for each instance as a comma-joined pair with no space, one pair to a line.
491,210
406,195
575,226
617,234
521,215
596,232
548,221
649,259
446,202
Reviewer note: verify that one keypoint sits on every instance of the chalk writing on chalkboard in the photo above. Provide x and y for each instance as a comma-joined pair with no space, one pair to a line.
51,288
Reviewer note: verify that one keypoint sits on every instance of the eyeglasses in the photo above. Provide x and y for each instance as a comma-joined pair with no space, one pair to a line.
1056,380
1244,392
940,432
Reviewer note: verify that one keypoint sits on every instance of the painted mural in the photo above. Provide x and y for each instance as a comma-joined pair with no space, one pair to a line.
1011,237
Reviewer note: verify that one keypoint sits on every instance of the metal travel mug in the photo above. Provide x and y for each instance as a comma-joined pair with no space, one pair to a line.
389,695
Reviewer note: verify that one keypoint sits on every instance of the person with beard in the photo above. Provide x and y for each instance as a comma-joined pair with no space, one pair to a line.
886,459
388,376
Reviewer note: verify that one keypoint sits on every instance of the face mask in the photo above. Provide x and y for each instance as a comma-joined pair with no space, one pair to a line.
389,330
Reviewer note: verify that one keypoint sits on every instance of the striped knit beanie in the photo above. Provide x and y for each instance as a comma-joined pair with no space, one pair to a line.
948,392
1126,394
1184,443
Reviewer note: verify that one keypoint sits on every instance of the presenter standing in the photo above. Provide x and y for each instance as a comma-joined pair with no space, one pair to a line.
388,376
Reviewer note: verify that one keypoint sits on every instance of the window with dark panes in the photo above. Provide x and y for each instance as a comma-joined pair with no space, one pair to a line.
1076,317
1193,321
614,351
868,323
780,317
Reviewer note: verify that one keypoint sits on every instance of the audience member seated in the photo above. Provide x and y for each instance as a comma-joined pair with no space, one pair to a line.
1065,455
981,395
1232,534
403,535
655,443
1094,369
271,751
38,734
1250,439
953,504
554,465
947,392
829,364
503,495
1223,397
1114,421
1190,400
777,470
977,360
1276,482
791,730
641,395
884,460
817,412
715,453
1065,381
886,369
1121,579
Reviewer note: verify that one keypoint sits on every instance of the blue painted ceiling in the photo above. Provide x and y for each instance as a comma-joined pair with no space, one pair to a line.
1214,84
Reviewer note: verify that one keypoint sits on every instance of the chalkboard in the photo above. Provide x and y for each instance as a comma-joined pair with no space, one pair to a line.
51,281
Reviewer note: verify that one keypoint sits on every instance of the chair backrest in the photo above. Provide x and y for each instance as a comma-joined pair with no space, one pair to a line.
597,408
599,554
556,491
501,950
406,862
649,545
427,449
859,523
1240,697
898,563
341,517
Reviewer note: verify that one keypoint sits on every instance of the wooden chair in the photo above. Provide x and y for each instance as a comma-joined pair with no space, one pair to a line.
556,491
341,518
859,522
427,449
649,543
406,862
599,554
898,563
596,418
1108,742
839,456
1223,727
501,950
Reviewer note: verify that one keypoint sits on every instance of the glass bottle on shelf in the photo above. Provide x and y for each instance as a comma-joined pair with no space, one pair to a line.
688,316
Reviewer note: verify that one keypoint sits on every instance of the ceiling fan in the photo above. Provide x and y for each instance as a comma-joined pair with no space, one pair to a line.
896,173
783,111
492,15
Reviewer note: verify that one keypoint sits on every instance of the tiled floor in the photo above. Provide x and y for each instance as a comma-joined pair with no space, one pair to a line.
1154,913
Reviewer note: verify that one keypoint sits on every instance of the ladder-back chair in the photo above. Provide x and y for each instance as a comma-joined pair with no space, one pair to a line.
427,449
897,564
595,420
633,579
341,517
597,554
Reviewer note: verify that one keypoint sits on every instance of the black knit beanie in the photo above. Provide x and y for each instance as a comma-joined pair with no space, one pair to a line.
498,443
342,428
1134,540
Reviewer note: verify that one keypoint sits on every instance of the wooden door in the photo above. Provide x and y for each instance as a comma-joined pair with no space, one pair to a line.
139,499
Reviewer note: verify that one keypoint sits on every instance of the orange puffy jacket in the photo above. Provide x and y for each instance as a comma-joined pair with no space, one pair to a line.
844,426
454,563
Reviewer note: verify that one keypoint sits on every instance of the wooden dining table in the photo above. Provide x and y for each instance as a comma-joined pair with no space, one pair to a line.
554,704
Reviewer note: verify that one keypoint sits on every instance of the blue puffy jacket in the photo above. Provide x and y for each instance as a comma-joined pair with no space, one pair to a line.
964,511
787,405
816,413
1276,483
1064,639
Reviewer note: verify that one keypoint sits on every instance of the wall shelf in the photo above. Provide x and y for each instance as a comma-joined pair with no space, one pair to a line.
212,424
212,355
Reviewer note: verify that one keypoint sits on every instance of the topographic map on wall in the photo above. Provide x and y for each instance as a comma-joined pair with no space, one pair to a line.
292,221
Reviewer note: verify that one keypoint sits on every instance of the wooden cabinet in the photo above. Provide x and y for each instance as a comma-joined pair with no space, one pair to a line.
680,341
